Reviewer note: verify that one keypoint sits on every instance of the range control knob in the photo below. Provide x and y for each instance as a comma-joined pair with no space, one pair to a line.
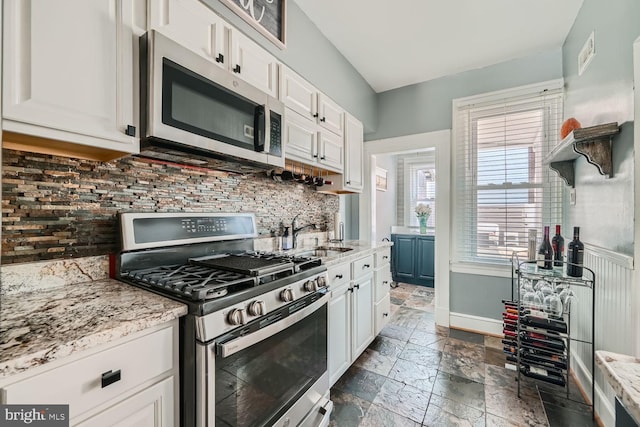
286,295
322,281
257,308
311,285
237,316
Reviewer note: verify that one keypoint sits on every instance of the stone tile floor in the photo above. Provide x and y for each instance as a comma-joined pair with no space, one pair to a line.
418,374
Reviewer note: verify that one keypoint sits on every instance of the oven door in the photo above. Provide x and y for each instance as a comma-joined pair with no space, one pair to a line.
272,371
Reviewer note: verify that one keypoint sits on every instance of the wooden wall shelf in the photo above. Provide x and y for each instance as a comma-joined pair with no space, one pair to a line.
595,143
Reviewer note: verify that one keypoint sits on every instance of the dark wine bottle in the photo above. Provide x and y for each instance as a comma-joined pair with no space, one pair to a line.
575,255
558,248
542,374
537,320
545,252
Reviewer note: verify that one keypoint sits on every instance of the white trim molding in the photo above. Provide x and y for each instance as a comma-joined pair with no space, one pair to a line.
482,325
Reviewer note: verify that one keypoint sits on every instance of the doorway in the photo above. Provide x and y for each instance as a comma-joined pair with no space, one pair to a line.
440,141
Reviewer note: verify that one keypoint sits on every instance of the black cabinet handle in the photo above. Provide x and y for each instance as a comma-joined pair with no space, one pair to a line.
315,156
365,266
131,130
220,58
315,115
237,69
356,286
385,314
324,119
338,276
351,289
385,257
322,158
110,377
348,182
385,282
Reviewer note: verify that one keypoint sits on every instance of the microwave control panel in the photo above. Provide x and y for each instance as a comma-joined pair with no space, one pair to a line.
275,144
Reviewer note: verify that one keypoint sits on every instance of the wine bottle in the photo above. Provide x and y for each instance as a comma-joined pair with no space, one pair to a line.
545,252
542,374
558,248
539,321
575,255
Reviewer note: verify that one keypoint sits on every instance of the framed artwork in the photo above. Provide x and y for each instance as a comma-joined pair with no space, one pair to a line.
269,17
381,179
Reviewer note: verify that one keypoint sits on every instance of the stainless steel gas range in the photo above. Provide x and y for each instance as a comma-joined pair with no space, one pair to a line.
253,347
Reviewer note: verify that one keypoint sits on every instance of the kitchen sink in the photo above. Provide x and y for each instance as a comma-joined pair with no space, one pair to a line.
325,251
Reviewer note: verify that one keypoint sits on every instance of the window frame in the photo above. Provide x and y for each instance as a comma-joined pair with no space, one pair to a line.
478,265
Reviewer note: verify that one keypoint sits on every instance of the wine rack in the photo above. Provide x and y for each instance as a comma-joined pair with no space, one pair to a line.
537,341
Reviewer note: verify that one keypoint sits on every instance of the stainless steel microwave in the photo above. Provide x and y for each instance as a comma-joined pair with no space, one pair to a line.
195,112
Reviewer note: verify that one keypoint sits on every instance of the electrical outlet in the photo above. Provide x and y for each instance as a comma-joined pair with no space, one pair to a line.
572,197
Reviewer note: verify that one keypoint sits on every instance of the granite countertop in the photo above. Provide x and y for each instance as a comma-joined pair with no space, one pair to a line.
42,326
397,229
623,374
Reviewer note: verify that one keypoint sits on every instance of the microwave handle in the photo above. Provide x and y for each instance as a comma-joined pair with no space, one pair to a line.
259,120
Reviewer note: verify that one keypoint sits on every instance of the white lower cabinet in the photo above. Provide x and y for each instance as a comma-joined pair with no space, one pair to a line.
131,381
339,332
152,407
351,314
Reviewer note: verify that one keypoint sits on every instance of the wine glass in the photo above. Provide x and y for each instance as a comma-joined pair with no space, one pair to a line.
568,298
531,299
544,289
552,304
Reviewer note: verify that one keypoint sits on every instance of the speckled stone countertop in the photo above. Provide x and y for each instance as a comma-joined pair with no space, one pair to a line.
623,374
40,326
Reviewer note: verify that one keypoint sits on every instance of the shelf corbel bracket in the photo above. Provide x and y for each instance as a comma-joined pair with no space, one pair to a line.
597,151
565,169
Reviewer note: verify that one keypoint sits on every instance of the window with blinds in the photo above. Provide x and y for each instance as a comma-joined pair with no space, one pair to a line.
420,184
503,189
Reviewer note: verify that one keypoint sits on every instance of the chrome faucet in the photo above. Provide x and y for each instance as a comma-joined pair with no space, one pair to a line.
295,230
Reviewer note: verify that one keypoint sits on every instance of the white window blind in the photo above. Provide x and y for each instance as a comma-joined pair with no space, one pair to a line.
502,187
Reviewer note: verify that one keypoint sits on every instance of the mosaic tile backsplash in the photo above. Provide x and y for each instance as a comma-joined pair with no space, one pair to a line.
57,207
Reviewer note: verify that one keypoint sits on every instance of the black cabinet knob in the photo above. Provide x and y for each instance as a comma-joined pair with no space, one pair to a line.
322,158
236,69
348,182
220,58
338,276
324,119
365,266
315,115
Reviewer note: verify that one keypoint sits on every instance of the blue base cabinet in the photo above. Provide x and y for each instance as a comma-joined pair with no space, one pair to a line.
412,259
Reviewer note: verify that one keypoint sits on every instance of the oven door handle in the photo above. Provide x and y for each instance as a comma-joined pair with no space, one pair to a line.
235,345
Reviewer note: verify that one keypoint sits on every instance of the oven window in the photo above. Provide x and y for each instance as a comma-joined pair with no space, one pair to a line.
197,105
257,385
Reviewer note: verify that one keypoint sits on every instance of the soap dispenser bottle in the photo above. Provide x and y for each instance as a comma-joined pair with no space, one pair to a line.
287,242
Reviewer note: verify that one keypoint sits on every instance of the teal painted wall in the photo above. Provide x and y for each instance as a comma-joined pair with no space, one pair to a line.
603,94
312,56
426,107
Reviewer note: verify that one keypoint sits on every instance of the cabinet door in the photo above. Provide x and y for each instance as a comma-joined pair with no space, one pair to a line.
339,313
152,407
424,261
193,25
353,140
253,64
362,314
297,94
68,70
300,138
330,115
331,151
382,313
403,257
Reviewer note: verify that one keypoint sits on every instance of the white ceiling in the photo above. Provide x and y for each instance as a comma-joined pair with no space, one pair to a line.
401,42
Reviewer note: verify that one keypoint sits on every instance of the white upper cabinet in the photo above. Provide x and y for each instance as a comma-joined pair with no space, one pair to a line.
253,64
300,138
302,97
353,140
70,71
352,180
330,150
330,115
198,28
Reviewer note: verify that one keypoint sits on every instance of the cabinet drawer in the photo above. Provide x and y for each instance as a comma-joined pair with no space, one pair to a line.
382,257
80,383
382,313
383,283
339,274
362,267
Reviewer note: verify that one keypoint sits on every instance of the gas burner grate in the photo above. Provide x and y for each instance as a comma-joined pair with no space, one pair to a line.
191,281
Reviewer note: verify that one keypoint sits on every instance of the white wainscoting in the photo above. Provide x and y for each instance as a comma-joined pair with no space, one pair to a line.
613,328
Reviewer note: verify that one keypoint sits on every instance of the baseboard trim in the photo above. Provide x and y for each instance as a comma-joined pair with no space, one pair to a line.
478,324
442,316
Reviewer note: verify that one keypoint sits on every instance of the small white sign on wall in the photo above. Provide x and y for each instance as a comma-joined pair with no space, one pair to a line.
587,53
